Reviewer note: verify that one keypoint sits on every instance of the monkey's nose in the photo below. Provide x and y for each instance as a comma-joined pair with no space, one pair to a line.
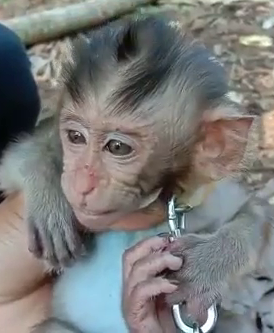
86,182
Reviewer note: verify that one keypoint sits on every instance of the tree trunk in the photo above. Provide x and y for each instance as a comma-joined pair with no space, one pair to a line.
54,23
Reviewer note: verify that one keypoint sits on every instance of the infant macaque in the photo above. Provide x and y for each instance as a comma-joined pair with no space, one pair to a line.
143,114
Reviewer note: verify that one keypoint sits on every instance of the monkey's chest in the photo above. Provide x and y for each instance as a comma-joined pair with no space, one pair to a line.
89,293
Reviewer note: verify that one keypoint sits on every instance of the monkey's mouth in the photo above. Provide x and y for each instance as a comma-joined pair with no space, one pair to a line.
95,220
96,214
103,213
93,211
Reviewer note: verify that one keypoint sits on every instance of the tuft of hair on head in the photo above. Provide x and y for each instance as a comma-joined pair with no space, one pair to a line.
132,60
127,45
152,64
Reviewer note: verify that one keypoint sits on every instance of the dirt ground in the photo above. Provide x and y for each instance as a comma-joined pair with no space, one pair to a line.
240,33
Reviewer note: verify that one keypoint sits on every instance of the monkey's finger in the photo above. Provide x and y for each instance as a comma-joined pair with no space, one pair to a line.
180,295
181,244
63,254
75,246
151,265
196,302
141,250
34,240
68,246
75,242
48,248
146,290
41,242
198,307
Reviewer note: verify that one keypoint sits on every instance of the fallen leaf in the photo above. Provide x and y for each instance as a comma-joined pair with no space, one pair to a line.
256,40
236,97
268,23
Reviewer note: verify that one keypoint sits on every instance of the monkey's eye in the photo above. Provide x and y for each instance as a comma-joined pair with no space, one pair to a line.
76,137
118,148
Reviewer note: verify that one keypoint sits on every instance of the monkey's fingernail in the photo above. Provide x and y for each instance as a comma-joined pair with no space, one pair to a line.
35,251
176,254
163,235
173,281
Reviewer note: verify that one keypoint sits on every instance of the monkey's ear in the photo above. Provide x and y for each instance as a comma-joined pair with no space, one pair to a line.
224,147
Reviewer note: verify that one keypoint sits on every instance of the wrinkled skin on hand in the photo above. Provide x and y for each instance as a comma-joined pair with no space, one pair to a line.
144,306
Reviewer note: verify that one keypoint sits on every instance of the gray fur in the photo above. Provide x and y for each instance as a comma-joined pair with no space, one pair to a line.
233,323
211,260
33,165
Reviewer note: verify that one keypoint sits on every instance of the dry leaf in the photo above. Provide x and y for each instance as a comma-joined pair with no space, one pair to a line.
268,23
256,40
236,97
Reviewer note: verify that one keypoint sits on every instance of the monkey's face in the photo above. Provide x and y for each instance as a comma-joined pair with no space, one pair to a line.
111,164
138,110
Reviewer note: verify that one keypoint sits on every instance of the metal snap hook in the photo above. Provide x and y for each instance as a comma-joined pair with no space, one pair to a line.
176,230
207,327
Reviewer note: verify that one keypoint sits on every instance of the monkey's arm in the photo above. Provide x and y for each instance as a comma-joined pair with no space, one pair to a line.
235,323
211,260
34,165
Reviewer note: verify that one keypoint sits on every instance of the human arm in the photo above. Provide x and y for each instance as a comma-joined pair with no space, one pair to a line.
25,290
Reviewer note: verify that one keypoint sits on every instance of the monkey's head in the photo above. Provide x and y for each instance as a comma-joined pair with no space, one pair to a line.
143,106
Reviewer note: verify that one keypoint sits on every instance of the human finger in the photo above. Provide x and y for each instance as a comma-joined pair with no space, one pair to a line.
146,290
141,250
151,265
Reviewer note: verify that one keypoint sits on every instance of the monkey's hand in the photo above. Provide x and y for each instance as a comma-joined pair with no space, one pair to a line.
205,268
209,261
53,234
34,166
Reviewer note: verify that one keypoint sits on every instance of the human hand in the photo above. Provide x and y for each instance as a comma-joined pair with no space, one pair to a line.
144,307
